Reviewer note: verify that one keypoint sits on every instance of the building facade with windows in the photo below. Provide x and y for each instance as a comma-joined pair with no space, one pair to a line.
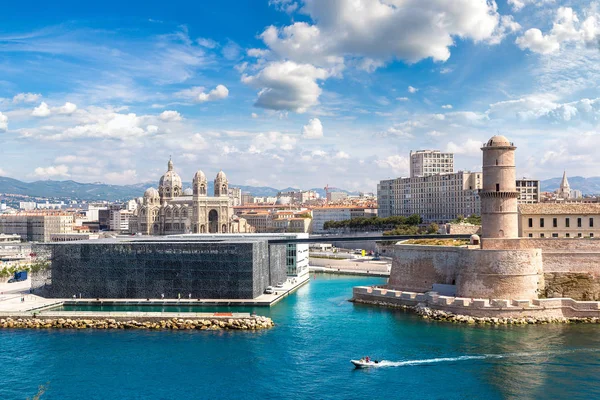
430,162
559,220
436,198
36,226
529,191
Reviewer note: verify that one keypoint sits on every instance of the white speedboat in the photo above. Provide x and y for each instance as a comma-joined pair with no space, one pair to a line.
362,363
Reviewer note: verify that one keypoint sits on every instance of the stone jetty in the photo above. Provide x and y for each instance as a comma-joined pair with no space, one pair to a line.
251,324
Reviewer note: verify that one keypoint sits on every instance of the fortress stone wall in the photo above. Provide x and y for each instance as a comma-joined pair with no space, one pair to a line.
497,273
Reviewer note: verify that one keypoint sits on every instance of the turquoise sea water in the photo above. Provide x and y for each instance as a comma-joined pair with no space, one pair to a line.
306,356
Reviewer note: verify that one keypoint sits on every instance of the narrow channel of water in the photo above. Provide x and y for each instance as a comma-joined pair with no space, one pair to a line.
306,356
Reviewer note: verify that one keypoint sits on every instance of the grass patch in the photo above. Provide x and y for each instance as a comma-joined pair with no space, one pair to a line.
438,242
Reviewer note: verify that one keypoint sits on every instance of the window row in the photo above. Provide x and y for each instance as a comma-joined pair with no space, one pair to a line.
567,222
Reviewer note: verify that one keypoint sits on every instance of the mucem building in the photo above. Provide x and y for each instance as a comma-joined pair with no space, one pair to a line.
149,267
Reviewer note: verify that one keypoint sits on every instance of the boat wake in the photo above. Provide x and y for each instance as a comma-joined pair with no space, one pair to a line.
407,363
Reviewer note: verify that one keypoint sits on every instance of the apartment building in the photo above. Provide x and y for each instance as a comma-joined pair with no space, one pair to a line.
529,191
436,198
36,226
430,162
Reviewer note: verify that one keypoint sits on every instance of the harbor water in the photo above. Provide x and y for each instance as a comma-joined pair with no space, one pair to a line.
307,356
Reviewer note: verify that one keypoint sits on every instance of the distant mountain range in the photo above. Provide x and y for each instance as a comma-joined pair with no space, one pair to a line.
586,185
100,191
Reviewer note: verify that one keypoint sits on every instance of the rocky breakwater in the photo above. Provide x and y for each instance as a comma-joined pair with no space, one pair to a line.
251,324
439,315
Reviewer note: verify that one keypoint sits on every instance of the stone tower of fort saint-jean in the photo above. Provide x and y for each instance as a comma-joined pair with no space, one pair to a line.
499,214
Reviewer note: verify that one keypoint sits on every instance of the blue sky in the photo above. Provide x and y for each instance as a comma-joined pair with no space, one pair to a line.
296,93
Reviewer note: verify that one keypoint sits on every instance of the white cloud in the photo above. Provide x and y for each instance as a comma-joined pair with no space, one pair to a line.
427,29
68,108
27,98
518,5
313,130
218,93
3,123
152,129
122,177
254,115
341,155
271,140
565,29
208,43
412,89
402,98
257,53
287,86
447,106
288,6
194,143
397,163
170,116
41,111
51,171
72,159
3,172
470,147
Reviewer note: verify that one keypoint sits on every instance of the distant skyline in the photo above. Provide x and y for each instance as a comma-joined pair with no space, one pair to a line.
293,93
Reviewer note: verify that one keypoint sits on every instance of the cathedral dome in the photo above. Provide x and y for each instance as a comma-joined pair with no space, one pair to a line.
151,193
170,183
221,176
199,176
188,192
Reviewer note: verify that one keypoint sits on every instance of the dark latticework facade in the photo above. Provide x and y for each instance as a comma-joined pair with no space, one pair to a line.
147,269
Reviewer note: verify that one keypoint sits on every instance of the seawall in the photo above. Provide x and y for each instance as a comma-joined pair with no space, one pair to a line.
559,309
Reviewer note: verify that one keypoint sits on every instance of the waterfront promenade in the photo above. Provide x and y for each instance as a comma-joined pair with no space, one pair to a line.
352,266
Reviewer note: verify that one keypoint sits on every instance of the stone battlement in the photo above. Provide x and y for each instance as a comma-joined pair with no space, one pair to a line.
514,308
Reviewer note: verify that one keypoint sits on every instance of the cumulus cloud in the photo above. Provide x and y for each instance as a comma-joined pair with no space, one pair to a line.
341,155
41,111
195,142
447,106
397,163
170,116
68,108
218,93
121,177
565,29
254,115
271,140
470,147
51,171
287,86
26,98
422,28
313,130
412,89
3,123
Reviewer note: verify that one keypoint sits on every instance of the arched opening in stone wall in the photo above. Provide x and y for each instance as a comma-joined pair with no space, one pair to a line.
195,228
213,221
224,229
501,233
203,228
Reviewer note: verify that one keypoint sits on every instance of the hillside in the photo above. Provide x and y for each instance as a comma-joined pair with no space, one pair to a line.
101,191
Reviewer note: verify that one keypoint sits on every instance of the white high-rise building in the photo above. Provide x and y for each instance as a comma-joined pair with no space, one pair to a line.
430,162
436,198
